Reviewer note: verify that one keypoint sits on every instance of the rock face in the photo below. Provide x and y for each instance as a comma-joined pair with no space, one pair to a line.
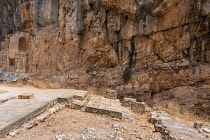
140,47
191,99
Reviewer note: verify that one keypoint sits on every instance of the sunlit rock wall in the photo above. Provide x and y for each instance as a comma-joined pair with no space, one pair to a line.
139,47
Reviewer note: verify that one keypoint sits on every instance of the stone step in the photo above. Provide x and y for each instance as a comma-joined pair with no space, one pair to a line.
111,94
77,104
138,107
105,106
80,95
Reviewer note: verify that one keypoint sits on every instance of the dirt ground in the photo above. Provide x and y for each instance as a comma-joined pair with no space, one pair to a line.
73,124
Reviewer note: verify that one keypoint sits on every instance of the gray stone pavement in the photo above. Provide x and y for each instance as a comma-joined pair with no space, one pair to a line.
14,111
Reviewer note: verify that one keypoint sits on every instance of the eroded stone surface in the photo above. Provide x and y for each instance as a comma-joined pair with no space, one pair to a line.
153,45
105,106
173,129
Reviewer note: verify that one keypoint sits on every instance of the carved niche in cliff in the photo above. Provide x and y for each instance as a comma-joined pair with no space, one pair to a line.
19,46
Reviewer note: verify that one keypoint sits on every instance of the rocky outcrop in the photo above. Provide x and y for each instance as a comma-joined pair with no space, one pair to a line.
10,19
171,129
139,47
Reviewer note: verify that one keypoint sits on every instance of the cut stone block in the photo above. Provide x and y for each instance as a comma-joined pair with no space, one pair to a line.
77,104
91,109
116,112
138,107
80,95
111,94
65,98
153,117
93,104
26,96
127,102
158,127
105,106
198,124
206,130
104,109
105,99
116,103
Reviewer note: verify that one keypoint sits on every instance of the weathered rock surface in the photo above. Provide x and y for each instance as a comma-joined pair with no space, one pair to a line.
141,46
193,99
174,130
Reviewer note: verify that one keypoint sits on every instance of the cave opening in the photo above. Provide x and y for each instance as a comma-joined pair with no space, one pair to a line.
22,45
12,62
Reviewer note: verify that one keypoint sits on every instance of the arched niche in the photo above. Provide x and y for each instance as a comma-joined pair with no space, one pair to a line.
22,45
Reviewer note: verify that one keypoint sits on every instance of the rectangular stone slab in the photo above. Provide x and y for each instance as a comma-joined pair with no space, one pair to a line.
26,96
80,95
127,102
77,104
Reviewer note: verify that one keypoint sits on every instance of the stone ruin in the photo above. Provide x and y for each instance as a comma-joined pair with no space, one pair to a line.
138,47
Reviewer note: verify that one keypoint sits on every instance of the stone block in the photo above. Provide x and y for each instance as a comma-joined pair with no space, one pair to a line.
116,111
104,109
80,95
77,104
105,100
138,107
111,94
206,130
116,114
153,117
26,96
93,105
158,127
127,102
116,103
91,109
65,98
198,124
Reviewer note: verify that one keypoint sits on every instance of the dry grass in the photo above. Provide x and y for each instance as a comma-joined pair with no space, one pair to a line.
17,84
174,109
44,84
96,91
38,84
92,90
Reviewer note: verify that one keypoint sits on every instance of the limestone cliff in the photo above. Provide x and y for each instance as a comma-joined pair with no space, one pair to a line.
140,47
